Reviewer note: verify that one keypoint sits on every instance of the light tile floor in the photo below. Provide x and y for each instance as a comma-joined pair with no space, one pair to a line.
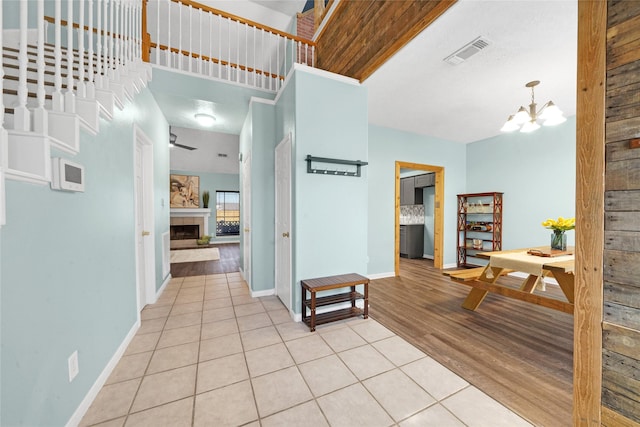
207,354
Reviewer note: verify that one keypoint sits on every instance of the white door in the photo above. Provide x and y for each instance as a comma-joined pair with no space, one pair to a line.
283,221
140,231
246,217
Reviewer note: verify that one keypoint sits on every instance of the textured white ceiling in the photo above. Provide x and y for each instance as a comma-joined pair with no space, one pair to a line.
416,91
205,158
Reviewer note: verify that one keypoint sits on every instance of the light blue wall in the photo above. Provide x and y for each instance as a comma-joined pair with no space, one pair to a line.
67,273
258,139
331,211
386,146
213,182
263,197
536,172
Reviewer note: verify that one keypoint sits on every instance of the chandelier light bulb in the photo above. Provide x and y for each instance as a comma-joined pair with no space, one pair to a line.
522,116
552,121
550,114
551,111
530,126
510,125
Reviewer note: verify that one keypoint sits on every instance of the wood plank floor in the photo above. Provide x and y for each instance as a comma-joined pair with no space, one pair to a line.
229,262
518,353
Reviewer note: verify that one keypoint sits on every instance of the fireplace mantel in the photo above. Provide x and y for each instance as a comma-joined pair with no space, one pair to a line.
193,213
190,212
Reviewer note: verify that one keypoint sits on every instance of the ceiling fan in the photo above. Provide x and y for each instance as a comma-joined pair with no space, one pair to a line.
172,141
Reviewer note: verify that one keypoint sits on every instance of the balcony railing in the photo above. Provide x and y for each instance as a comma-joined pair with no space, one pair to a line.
191,37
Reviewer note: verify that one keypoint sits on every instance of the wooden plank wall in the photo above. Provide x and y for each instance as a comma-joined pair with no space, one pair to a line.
621,323
361,35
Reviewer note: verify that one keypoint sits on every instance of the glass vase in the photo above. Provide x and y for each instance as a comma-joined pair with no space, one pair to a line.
559,240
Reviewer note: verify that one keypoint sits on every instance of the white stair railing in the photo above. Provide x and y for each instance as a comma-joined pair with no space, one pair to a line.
40,116
58,97
21,115
69,95
81,90
3,134
195,38
91,89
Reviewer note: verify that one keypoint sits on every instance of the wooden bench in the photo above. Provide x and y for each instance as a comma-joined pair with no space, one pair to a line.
328,283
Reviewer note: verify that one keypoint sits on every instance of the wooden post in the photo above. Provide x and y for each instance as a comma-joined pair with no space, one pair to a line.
590,150
318,13
146,37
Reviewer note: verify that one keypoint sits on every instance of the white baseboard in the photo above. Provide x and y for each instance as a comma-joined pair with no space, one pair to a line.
453,265
164,285
82,409
381,275
265,293
427,256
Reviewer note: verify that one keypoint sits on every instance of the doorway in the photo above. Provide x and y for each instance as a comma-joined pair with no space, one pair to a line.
246,218
144,220
283,222
438,207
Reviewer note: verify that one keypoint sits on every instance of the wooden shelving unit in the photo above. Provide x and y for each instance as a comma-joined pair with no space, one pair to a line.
348,281
479,219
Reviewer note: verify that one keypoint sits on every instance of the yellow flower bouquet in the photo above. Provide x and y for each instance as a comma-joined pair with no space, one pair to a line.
559,226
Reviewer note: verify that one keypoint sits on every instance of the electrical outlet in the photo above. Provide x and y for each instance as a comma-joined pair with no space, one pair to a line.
73,365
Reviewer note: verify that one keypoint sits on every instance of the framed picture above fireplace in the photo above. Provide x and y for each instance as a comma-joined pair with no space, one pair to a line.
184,191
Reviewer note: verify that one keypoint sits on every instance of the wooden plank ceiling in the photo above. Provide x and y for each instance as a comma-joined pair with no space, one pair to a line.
361,35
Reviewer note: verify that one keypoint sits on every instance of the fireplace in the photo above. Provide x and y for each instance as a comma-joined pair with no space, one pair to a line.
184,232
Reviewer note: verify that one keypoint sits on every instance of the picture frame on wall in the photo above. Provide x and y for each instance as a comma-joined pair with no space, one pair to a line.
184,191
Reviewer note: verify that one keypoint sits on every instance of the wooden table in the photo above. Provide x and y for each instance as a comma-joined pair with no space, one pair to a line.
537,267
328,283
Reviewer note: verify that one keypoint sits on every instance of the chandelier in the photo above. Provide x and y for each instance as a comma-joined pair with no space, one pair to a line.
527,121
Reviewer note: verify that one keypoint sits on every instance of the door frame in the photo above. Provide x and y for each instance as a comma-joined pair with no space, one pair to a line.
438,212
141,140
285,140
590,188
245,168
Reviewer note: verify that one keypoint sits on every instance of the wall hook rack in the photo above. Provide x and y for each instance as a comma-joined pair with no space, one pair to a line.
357,163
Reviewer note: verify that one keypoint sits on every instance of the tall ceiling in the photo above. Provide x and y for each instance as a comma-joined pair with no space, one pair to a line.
417,91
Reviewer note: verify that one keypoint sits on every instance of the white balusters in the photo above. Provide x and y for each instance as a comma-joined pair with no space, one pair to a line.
81,87
40,117
210,43
219,46
168,33
69,95
57,97
22,117
90,84
3,158
107,31
158,51
190,38
179,56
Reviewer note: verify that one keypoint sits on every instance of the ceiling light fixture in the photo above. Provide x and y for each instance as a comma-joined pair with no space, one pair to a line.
527,121
205,119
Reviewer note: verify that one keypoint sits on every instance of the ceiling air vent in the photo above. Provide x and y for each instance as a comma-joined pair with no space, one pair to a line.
222,155
467,51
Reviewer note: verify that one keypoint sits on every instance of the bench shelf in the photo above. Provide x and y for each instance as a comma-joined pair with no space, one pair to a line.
312,286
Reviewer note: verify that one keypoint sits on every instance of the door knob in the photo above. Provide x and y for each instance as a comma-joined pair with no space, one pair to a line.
246,229
146,233
286,234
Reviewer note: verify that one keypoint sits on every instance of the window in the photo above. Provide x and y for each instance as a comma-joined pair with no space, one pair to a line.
227,213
